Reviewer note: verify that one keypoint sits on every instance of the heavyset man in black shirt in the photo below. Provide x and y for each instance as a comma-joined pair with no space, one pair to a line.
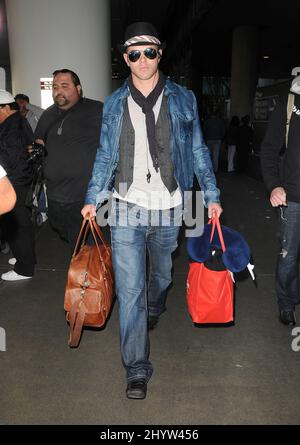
70,131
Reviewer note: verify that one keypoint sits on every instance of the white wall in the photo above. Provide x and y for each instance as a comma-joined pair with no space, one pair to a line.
2,78
45,35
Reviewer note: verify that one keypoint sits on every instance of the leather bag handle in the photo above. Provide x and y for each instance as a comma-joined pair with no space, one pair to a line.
89,224
92,225
76,317
95,228
81,239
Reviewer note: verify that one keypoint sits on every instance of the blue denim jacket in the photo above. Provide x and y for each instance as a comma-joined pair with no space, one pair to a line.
189,152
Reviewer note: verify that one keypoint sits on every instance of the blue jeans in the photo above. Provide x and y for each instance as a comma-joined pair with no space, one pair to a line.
140,294
287,283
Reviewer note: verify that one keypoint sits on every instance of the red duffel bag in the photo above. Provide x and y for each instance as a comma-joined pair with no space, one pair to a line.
210,290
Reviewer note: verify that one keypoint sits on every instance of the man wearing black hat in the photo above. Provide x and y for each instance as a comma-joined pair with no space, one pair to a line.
151,145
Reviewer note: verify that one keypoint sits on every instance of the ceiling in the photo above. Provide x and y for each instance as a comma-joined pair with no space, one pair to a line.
204,28
208,29
277,24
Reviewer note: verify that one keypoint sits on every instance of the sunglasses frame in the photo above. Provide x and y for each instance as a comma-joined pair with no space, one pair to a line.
145,51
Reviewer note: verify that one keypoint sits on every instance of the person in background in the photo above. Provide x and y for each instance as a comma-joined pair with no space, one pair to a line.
232,140
214,131
282,179
15,137
151,145
7,193
31,112
69,130
244,144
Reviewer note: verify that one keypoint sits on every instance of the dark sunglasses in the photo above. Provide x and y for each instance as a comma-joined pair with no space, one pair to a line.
150,53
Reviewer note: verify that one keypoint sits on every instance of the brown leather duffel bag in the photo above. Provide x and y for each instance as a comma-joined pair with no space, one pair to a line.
89,289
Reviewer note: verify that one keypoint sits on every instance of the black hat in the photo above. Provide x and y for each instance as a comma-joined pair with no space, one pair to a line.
22,97
140,33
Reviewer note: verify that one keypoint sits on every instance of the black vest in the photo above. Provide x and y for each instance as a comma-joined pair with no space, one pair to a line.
124,171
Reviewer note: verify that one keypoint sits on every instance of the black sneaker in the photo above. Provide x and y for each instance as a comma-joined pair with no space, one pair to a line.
137,389
287,317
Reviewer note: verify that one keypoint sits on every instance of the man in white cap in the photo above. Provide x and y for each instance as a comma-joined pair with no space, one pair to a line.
17,226
150,147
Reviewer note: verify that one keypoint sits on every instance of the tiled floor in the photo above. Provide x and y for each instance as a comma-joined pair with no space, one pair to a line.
244,374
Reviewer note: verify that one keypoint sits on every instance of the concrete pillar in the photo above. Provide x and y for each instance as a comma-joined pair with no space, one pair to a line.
244,69
45,35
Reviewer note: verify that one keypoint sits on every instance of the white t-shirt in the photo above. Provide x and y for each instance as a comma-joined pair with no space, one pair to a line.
2,172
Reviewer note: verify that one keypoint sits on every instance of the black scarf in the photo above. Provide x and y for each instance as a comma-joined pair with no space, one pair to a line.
147,104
